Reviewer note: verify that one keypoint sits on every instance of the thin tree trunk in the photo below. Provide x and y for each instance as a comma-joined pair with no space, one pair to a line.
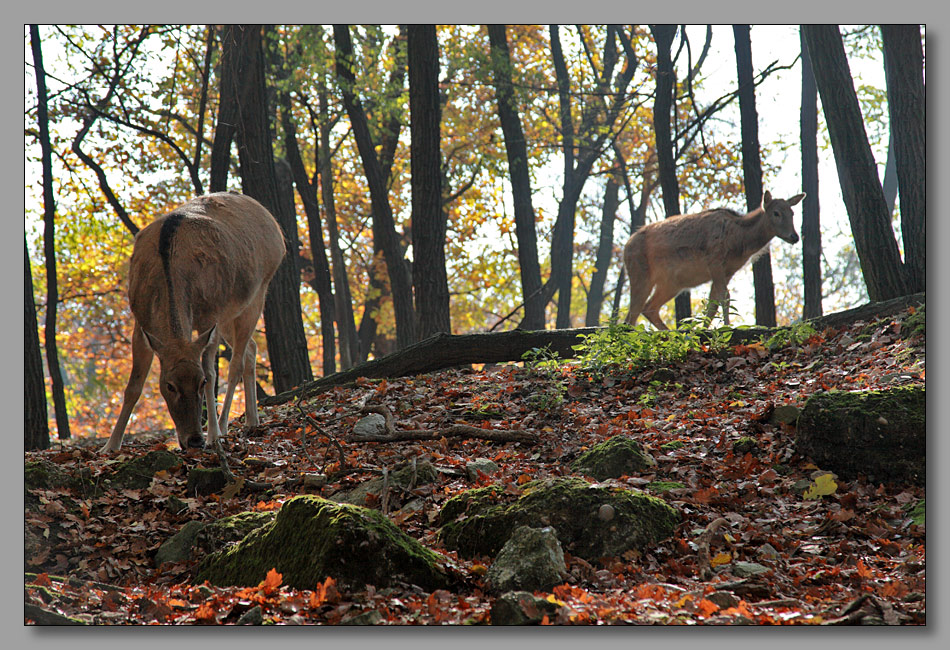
811,226
49,248
857,172
203,105
562,239
904,65
428,220
517,153
605,248
321,267
384,228
286,342
666,164
35,424
752,171
232,93
346,323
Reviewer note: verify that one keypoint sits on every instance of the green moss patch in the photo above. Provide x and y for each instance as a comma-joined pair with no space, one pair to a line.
613,458
880,434
591,521
312,538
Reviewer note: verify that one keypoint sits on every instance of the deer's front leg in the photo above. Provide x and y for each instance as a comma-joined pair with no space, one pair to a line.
718,294
142,356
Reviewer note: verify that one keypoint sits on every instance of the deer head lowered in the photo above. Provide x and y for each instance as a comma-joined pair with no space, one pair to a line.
203,267
684,251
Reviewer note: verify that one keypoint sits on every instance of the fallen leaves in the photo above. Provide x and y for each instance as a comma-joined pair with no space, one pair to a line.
823,542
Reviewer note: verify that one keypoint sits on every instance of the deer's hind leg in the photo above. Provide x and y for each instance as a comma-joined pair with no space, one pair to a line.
209,359
663,293
641,282
242,366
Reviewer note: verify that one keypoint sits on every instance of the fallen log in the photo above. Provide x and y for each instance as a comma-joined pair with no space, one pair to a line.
447,350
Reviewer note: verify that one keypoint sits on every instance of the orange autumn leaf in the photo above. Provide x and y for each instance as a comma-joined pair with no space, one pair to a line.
43,580
524,478
325,592
705,495
863,569
707,607
272,582
205,612
741,609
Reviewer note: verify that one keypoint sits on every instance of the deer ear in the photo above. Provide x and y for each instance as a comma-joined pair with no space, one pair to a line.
205,337
767,198
153,342
796,199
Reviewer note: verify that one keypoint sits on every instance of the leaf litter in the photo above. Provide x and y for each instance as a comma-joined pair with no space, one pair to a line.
752,547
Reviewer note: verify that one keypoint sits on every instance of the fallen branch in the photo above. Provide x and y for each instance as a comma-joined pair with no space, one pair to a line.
453,431
446,350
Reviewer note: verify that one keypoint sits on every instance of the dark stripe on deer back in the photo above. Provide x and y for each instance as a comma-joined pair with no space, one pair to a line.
167,234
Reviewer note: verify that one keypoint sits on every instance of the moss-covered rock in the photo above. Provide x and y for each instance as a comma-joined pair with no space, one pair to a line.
664,486
403,478
41,474
232,529
203,481
210,537
312,538
137,473
881,434
613,458
481,521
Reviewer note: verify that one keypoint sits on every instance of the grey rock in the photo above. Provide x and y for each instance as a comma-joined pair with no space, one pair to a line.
520,608
373,424
253,616
483,465
531,559
178,547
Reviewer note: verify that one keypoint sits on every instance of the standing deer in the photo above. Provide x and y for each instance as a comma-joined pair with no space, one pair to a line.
687,250
203,267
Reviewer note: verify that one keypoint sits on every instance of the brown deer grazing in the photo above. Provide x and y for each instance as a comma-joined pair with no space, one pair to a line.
205,266
687,250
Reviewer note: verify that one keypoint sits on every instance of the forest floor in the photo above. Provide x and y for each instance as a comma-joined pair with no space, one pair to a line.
832,559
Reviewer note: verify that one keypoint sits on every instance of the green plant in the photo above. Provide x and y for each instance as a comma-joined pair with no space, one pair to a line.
794,334
618,347
545,364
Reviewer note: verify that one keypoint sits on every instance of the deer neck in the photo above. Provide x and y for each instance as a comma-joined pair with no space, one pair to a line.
759,230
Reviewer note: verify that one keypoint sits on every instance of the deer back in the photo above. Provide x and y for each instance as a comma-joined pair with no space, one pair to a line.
202,264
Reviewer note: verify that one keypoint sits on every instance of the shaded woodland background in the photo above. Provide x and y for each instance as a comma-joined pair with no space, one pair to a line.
427,176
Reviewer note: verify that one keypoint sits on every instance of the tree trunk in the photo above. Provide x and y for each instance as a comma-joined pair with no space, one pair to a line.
233,71
857,172
752,172
384,228
562,239
286,342
605,249
346,323
35,425
428,220
516,150
904,65
666,163
49,248
811,225
321,267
